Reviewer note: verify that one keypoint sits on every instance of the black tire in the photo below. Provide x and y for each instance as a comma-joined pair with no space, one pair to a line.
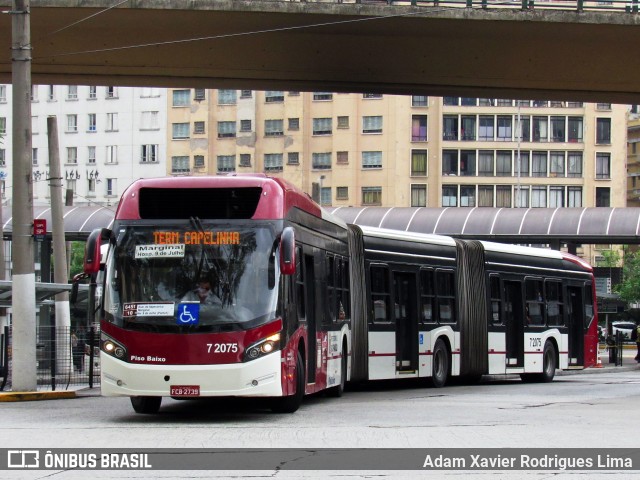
338,390
146,404
291,403
549,366
439,365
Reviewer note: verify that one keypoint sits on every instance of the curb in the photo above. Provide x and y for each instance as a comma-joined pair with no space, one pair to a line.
33,396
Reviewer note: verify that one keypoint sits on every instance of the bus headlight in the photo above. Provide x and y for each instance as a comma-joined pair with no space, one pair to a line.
263,347
109,346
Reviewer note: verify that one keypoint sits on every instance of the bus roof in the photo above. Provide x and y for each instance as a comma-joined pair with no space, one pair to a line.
275,199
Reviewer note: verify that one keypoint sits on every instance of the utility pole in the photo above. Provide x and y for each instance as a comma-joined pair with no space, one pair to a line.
23,365
63,318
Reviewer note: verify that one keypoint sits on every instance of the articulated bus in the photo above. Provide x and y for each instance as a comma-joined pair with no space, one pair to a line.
242,286
221,286
438,307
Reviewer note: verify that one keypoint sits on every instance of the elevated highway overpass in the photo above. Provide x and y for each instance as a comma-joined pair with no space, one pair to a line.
575,50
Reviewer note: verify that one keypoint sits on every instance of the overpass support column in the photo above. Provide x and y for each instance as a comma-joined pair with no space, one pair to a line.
572,247
554,244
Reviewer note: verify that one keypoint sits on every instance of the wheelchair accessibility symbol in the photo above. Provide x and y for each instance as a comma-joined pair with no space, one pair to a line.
188,314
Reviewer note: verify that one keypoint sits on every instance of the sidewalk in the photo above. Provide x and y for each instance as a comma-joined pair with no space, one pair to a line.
75,392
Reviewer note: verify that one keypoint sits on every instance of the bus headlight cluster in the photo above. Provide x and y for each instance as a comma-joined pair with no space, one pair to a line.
263,347
111,347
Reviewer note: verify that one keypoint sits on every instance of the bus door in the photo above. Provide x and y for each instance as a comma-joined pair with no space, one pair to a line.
406,321
514,323
576,325
312,308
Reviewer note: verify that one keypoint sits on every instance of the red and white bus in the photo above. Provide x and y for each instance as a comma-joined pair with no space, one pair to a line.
212,287
242,286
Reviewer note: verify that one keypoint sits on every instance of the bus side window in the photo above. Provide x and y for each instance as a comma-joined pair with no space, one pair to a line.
445,285
555,302
380,294
331,288
427,295
300,285
496,300
535,302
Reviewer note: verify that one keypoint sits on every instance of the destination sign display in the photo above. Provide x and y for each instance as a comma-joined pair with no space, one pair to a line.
197,238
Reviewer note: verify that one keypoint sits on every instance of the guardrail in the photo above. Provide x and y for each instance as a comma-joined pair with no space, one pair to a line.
620,6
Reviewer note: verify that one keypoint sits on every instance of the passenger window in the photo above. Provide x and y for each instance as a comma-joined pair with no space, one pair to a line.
496,300
534,302
445,285
428,297
380,294
555,303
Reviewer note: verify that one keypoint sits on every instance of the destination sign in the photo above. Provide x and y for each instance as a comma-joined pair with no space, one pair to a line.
197,238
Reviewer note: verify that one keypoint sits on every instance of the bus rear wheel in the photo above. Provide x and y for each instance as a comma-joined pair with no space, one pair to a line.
549,366
439,365
291,403
146,404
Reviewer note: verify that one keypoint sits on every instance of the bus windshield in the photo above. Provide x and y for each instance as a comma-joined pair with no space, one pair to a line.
192,278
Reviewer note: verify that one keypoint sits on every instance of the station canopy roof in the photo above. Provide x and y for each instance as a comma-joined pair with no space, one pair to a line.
508,225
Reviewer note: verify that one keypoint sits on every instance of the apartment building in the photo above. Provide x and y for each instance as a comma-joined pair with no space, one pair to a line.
406,151
108,137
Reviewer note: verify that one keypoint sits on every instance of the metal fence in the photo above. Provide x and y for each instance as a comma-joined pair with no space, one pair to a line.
65,358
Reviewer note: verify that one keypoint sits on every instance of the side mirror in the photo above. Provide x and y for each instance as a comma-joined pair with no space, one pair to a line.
288,251
93,250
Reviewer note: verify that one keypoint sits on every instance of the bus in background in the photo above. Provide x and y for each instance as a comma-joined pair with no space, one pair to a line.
438,307
221,286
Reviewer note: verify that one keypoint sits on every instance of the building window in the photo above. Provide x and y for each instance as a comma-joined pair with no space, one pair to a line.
245,159
34,93
93,93
372,95
246,93
150,92
603,131
72,92
603,197
576,129
34,157
538,197
449,195
198,127
34,125
419,128
322,96
111,187
226,163
371,159
180,164
574,197
72,155
449,162
149,154
91,186
273,96
504,132
372,195
603,166
503,196
294,124
523,128
273,128
181,98
523,164
342,193
245,125
574,164
372,124
226,129
558,129
3,125
485,195
322,126
72,123
468,127
293,158
468,162
485,163
149,120
91,155
419,101
3,157
325,196
226,97
451,101
273,162
556,164
540,133
51,93
467,195
522,197
419,163
450,127
3,94
321,161
539,164
418,195
112,92
112,122
112,154
198,161
342,158
603,106
343,122
180,131
503,163
556,197
486,128
199,94
92,123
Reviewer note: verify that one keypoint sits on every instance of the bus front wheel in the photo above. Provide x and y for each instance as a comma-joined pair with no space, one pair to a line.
291,403
146,404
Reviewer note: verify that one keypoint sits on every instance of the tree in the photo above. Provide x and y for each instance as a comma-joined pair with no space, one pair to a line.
629,289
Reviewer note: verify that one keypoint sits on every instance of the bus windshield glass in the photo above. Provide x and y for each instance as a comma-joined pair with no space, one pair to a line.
190,279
